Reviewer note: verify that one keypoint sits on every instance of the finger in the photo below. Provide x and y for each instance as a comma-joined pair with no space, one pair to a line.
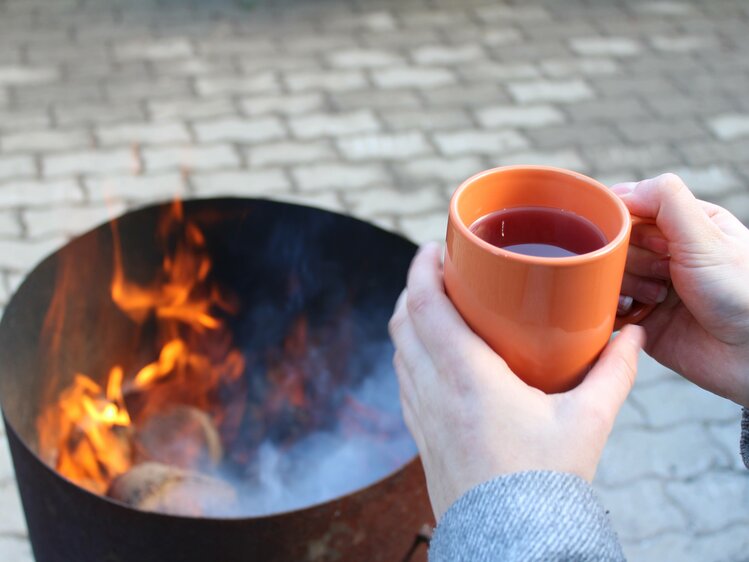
643,289
649,237
449,341
647,264
418,367
681,218
609,382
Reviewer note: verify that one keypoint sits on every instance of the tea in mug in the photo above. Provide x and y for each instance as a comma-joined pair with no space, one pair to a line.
540,231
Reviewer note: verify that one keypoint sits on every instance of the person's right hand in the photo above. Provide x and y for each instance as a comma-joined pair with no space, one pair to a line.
701,327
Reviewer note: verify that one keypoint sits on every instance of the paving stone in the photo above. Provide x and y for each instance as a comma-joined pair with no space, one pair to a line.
294,104
128,89
502,14
11,516
290,153
364,58
498,72
395,146
316,177
513,116
69,220
10,226
23,120
19,75
16,167
728,436
718,500
730,126
623,156
232,129
322,124
76,113
729,545
405,77
563,68
681,452
447,169
240,183
188,158
323,200
426,120
263,82
154,187
664,8
641,510
424,228
711,181
605,46
374,100
470,95
479,142
570,159
738,205
167,110
89,162
559,91
565,136
383,200
331,80
15,549
446,55
147,133
39,141
604,110
675,402
6,463
655,130
684,43
22,255
154,49
498,37
25,193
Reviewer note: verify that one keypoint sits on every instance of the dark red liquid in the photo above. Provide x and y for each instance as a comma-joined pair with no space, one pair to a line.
540,231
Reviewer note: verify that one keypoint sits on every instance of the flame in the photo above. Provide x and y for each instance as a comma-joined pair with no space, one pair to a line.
86,434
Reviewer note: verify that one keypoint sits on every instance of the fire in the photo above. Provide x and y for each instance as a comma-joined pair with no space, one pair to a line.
86,435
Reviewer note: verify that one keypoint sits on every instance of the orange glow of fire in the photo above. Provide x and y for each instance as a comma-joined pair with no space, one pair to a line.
86,434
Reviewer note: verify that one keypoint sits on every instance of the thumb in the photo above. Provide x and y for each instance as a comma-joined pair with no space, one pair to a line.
677,212
607,385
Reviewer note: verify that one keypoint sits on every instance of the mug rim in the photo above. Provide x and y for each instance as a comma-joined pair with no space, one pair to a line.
455,220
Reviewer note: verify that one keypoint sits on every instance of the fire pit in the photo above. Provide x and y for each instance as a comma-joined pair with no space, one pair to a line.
213,381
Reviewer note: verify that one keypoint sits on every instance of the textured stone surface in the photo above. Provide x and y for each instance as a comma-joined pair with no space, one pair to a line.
380,109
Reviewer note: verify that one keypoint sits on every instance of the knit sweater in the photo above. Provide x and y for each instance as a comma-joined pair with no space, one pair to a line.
533,516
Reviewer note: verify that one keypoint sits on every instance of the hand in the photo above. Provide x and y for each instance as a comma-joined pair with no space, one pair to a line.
472,418
701,329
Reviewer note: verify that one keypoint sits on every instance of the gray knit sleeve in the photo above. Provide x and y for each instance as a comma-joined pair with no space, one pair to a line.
527,517
745,437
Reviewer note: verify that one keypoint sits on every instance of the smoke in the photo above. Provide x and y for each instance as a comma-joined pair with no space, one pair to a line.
369,442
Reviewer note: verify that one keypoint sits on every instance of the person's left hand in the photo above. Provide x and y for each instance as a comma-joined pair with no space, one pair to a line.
472,418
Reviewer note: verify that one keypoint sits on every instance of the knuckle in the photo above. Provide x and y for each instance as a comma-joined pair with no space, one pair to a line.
670,183
419,302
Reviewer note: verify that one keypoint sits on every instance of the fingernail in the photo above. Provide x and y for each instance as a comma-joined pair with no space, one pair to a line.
662,269
624,188
662,294
625,303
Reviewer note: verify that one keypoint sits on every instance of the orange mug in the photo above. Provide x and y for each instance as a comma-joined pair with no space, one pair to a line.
549,318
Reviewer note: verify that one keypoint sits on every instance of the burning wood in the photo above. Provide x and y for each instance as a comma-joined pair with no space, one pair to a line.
165,489
88,434
182,437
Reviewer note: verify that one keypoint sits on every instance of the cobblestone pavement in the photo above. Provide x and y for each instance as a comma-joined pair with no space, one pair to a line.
378,108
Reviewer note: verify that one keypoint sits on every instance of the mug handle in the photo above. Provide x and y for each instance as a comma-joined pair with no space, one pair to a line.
639,311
